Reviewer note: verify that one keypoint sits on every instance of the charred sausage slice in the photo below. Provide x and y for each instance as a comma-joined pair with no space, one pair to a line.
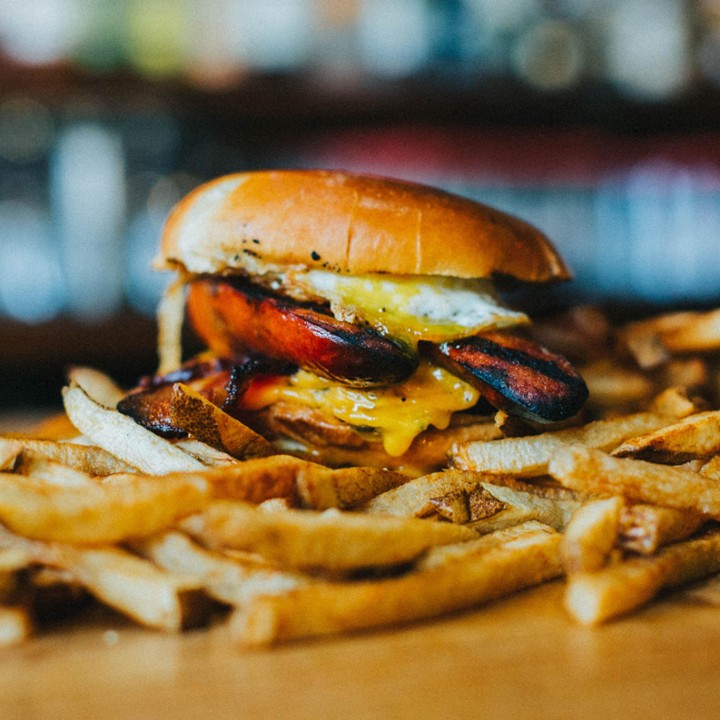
515,374
236,317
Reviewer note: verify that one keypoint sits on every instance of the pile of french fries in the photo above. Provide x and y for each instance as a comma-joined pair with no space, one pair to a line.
220,528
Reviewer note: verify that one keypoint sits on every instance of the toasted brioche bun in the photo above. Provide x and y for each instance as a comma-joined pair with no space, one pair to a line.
351,224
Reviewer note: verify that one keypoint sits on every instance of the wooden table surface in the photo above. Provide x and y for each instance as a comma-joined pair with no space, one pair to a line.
518,658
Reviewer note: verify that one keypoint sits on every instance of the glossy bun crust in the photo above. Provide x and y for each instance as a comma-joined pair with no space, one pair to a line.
351,224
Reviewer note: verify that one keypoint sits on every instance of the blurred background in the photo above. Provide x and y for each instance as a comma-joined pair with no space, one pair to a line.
597,120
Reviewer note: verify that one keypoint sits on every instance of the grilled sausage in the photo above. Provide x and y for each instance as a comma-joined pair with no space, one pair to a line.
236,317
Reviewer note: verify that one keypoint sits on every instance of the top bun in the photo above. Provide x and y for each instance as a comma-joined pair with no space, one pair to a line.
351,224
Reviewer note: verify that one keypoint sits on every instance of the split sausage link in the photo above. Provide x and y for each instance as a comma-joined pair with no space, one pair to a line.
237,317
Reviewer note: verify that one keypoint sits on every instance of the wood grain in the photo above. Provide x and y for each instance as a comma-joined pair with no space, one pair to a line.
519,658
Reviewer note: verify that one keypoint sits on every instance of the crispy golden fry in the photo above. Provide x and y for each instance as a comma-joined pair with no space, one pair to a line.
43,470
123,581
594,597
591,534
209,456
646,528
521,502
276,504
123,437
692,373
442,554
711,468
10,449
478,573
255,480
321,488
12,561
653,341
284,476
415,497
483,501
695,436
98,513
592,471
97,385
330,539
616,386
84,458
643,343
674,403
233,580
15,625
195,414
529,456
455,505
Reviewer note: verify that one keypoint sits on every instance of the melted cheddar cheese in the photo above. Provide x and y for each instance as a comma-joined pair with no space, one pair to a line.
398,413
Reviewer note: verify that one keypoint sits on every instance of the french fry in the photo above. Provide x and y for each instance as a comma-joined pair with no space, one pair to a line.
653,341
321,488
331,539
12,561
98,513
613,385
123,437
276,504
415,497
207,455
587,470
695,436
477,574
123,581
591,534
97,385
41,469
15,625
506,537
84,458
711,469
455,506
691,372
594,597
10,449
646,528
231,580
530,456
516,502
195,414
255,480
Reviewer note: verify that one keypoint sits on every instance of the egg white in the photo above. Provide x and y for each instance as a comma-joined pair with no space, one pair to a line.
412,308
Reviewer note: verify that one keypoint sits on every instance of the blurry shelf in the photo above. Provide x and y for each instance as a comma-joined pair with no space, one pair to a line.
303,101
34,358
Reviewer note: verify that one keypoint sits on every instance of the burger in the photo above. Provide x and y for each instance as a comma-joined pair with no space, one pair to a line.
354,319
